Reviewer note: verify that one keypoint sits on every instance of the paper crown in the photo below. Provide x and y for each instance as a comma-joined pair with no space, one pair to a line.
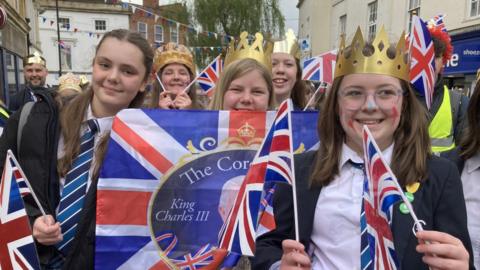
34,58
173,53
258,50
70,81
288,45
353,59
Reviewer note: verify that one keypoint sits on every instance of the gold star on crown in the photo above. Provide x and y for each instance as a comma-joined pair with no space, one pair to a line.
246,131
258,50
288,45
356,61
34,58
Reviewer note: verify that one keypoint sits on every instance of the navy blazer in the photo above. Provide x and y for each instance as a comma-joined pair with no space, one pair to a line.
439,202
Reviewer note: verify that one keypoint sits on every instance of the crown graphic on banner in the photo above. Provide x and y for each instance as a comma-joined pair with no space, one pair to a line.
246,131
288,45
357,58
258,50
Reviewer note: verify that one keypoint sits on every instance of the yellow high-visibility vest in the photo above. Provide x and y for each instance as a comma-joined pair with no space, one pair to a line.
441,127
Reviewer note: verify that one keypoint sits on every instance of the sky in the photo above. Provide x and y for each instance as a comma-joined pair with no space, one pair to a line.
288,7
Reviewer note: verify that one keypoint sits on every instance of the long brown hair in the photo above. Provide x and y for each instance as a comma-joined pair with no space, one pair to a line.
412,143
73,113
236,70
299,90
470,144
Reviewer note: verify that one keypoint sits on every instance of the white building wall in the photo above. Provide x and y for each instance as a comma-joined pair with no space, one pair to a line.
393,14
82,41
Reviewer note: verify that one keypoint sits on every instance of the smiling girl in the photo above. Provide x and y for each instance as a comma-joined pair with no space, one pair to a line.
62,147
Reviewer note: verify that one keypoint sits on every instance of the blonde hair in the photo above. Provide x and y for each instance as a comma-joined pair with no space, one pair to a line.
234,71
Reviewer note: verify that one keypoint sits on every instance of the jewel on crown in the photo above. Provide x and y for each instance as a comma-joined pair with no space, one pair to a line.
246,130
354,59
258,50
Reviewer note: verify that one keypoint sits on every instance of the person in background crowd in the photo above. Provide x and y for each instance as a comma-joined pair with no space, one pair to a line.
330,180
35,73
244,85
70,85
62,149
287,73
448,108
174,71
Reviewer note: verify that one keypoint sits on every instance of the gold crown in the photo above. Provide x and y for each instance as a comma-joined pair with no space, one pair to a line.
34,58
258,50
288,45
70,81
377,63
173,53
246,131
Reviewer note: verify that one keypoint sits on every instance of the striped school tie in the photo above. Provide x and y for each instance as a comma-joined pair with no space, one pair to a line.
365,256
73,195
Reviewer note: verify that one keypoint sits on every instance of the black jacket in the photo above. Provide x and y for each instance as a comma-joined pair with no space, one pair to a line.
38,158
23,96
439,202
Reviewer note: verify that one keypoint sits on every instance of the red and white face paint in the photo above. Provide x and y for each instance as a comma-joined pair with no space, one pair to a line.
381,117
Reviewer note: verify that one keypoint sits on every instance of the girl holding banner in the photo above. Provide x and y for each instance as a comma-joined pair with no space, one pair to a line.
61,148
370,88
174,73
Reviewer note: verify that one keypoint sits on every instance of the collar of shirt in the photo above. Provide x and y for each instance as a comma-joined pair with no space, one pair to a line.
349,154
104,124
473,163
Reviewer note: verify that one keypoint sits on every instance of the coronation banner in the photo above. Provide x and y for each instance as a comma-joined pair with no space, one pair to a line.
169,180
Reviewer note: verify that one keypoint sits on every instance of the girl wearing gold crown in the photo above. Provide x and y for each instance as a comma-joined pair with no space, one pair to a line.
246,83
174,72
370,88
287,73
61,149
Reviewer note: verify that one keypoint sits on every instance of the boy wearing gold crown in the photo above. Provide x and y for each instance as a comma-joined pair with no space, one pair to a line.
370,88
35,73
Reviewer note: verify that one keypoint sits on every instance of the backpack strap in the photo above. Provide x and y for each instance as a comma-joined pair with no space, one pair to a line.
23,120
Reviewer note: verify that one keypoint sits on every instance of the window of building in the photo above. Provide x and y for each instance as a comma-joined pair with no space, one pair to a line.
158,33
174,34
142,29
413,9
342,25
372,20
100,25
66,54
474,8
64,22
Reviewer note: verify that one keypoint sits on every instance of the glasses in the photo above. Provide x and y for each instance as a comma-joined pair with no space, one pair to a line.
353,99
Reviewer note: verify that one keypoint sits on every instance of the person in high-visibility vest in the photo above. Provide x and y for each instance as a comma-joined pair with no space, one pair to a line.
4,115
448,108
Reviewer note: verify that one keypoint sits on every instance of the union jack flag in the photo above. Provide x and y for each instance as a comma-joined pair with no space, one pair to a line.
145,147
272,163
208,78
422,60
17,248
320,68
380,193
437,21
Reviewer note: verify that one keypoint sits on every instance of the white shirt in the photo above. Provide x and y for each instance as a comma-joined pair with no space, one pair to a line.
471,191
335,239
104,125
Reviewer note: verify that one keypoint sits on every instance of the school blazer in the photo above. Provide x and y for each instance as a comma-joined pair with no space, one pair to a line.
439,202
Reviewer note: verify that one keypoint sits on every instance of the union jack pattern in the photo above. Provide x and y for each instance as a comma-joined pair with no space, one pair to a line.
422,56
208,78
380,193
272,163
17,248
144,146
437,21
320,68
